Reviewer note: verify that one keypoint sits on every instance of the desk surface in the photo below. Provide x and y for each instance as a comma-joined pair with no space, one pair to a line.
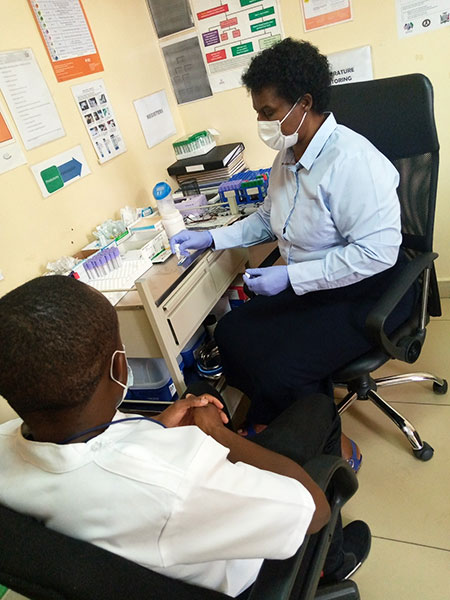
163,279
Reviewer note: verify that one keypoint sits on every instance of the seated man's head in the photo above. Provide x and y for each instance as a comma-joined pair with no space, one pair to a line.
58,337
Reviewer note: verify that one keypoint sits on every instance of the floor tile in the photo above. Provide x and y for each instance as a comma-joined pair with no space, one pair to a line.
445,306
399,571
434,359
400,496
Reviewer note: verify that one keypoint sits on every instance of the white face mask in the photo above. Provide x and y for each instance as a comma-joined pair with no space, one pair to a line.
129,382
271,134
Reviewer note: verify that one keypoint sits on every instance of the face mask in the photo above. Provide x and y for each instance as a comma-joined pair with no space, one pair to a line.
271,134
129,382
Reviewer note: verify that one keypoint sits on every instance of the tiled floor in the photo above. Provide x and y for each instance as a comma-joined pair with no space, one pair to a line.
405,501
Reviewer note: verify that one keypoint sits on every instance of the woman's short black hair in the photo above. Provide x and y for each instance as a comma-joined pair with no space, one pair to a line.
293,68
57,338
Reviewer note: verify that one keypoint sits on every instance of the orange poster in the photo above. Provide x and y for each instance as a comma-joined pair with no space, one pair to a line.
322,13
72,50
5,134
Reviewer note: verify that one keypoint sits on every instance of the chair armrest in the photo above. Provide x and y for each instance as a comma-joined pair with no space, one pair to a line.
297,577
377,317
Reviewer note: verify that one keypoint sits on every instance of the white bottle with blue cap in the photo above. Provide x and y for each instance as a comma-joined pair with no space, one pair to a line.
171,217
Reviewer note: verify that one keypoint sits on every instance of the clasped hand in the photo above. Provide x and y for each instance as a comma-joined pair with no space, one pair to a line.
187,412
268,281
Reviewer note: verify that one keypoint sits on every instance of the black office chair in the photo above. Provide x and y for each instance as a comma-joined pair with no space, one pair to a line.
45,565
396,114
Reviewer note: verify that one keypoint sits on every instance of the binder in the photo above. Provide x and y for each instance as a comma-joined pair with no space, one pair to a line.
217,158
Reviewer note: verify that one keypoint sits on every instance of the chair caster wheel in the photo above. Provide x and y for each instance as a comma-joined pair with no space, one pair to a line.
440,389
425,453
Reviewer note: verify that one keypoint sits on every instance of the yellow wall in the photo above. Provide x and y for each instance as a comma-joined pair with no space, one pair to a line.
34,230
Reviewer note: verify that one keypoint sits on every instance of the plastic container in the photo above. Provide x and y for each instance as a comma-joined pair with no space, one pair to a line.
163,196
171,217
194,145
153,386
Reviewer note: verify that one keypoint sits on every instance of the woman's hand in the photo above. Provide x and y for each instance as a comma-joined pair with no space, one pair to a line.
268,281
181,412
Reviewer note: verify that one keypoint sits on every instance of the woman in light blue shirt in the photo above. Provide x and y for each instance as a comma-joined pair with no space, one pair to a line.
332,206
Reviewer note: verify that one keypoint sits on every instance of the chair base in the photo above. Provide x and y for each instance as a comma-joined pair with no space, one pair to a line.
422,450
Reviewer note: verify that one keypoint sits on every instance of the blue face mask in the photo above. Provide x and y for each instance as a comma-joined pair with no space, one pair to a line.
129,381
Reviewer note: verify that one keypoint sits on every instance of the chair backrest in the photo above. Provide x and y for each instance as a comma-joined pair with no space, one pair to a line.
397,115
46,565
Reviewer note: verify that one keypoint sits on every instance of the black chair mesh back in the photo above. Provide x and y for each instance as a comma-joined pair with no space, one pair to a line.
396,114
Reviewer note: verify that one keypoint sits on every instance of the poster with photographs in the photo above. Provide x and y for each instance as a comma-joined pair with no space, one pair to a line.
98,116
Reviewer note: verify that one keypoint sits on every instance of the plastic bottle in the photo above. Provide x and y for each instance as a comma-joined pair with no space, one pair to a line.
171,217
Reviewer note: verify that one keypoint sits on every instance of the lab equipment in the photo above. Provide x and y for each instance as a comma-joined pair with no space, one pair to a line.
171,217
195,144
246,187
152,386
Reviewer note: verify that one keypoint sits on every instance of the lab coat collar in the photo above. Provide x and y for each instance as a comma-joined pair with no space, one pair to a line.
315,146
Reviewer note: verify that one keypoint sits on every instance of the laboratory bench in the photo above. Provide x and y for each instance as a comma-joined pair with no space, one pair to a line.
171,302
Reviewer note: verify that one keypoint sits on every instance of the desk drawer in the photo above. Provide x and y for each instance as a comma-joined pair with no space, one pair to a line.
224,267
187,309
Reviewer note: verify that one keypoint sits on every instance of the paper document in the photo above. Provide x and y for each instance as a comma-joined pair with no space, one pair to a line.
155,118
29,99
68,39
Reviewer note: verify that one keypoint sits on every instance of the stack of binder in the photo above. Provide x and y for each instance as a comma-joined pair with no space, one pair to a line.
211,169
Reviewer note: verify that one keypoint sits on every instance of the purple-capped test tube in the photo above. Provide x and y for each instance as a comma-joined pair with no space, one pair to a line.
88,268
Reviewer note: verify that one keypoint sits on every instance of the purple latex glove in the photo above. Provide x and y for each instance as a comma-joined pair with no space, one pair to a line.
268,281
193,240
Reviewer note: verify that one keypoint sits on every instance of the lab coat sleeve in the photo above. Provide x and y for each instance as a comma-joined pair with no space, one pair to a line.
231,511
252,230
366,211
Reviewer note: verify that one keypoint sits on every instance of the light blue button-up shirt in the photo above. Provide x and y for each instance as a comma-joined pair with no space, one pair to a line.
335,213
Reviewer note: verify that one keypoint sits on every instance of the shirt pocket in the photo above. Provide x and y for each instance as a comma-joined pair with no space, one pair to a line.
311,226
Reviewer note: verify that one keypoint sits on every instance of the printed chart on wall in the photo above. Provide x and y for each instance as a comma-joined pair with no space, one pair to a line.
29,99
323,13
415,16
99,120
231,33
11,155
67,37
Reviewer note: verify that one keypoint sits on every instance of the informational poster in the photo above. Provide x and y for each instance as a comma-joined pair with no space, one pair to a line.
99,119
67,36
352,65
322,13
420,16
29,99
186,69
170,16
60,171
11,155
231,33
155,118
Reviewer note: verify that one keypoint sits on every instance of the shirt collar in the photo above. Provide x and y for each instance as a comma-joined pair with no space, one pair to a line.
56,458
315,146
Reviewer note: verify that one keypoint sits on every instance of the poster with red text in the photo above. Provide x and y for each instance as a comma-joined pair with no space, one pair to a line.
231,32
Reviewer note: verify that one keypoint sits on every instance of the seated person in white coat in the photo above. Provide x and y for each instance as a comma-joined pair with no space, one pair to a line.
180,494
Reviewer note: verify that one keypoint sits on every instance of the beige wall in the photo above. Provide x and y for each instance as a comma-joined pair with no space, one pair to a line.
34,230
